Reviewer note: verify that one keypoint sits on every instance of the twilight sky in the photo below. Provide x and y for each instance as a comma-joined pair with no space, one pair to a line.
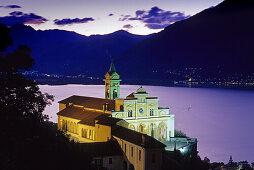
100,16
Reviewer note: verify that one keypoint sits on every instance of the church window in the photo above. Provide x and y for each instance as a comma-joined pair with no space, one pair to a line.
114,94
85,133
152,130
141,111
71,127
107,94
121,108
129,113
151,112
75,128
90,134
106,107
68,128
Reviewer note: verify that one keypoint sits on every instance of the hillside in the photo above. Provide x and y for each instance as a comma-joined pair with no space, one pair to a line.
218,37
65,52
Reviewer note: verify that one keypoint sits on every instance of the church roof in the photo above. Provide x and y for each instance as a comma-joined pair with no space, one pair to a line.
90,102
97,149
105,119
130,96
112,68
136,138
88,117
141,90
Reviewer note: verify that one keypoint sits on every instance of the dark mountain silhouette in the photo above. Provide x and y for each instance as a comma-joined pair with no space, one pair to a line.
220,36
65,52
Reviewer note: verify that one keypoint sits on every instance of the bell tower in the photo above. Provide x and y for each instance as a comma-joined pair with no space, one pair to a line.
112,83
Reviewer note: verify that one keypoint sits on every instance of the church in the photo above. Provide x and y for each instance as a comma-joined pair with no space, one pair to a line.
139,111
142,129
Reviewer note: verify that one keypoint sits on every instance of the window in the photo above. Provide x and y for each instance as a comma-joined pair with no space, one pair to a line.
129,113
153,158
107,94
151,112
132,151
121,108
139,155
98,161
141,111
114,94
110,161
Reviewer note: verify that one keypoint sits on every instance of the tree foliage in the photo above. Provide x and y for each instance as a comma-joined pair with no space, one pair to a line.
20,98
28,139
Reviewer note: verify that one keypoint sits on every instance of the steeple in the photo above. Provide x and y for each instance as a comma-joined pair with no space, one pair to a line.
112,68
112,83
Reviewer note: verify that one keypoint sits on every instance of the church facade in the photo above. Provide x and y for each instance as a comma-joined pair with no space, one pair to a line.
140,110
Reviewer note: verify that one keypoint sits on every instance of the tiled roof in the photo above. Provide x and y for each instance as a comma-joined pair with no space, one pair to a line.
136,138
90,102
100,149
130,95
88,117
105,119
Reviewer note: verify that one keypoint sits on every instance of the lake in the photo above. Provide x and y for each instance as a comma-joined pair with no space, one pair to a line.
221,119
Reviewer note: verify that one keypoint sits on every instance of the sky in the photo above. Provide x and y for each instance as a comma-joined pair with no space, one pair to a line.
88,17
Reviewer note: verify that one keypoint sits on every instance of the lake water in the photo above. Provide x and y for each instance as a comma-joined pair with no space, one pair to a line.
221,119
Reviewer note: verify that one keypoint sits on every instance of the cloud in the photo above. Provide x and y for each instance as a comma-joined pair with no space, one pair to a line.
18,17
155,18
68,21
110,15
128,26
11,6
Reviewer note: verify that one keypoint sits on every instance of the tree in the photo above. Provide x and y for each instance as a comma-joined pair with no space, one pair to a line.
20,98
28,140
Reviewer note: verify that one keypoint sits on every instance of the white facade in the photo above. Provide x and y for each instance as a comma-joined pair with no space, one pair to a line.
143,115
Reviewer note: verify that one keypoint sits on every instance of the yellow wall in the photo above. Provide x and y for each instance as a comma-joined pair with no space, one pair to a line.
61,106
84,133
137,163
118,104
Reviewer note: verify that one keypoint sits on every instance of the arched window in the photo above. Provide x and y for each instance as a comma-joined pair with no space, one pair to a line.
75,128
132,127
142,128
85,133
162,131
129,113
151,112
114,94
90,134
152,130
71,127
107,93
82,133
121,108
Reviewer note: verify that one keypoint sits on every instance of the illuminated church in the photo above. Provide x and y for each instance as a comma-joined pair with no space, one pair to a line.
136,123
140,111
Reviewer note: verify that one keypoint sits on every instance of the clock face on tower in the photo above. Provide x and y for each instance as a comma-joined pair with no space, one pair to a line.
141,111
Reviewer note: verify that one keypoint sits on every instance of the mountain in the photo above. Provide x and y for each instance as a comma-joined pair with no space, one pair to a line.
220,36
69,53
